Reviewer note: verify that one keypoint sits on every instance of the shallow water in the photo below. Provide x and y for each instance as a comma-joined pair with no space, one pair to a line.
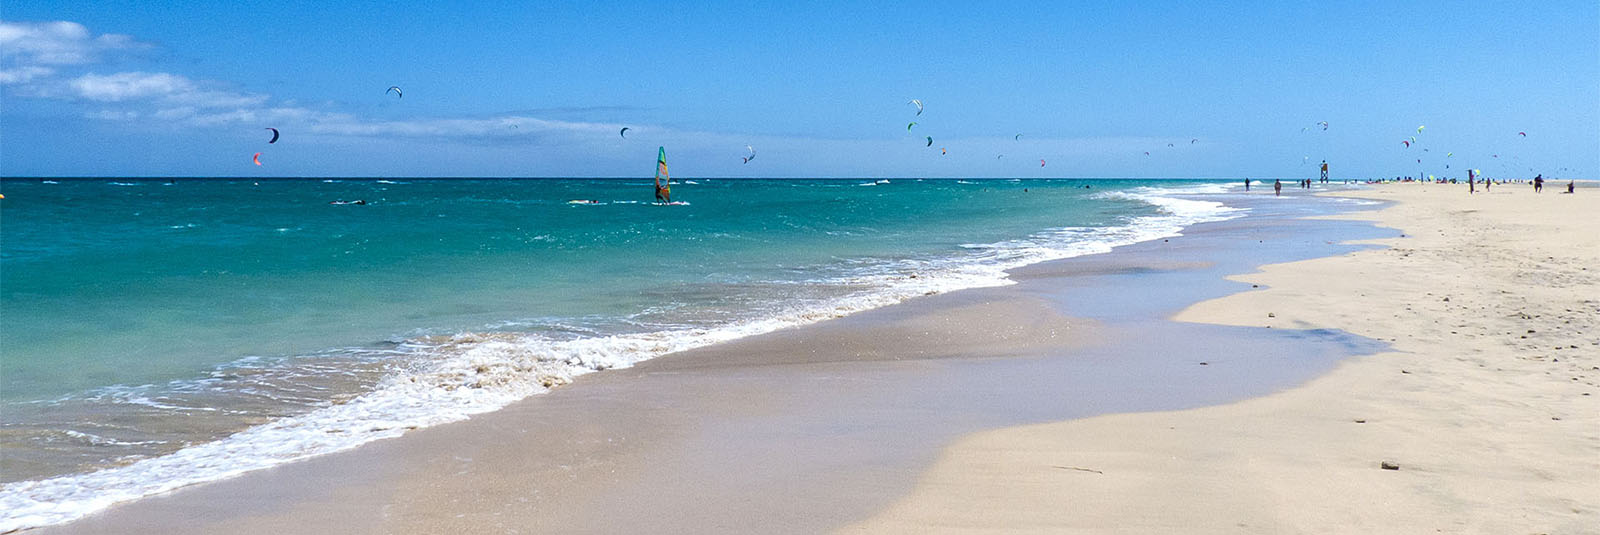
158,335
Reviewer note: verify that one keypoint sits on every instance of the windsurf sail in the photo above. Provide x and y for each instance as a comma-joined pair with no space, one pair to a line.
663,182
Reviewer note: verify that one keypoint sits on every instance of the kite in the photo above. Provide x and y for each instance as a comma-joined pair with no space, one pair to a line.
1017,137
1449,154
908,126
1419,129
752,155
919,105
1523,134
1169,144
1323,124
1193,141
942,151
623,132
256,158
1146,153
930,141
1407,143
274,135
396,90
1041,163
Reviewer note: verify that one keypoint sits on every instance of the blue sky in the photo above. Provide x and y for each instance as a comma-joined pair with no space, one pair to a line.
112,88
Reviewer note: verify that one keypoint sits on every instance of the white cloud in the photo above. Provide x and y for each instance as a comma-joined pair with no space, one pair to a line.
57,43
130,86
23,75
112,115
33,56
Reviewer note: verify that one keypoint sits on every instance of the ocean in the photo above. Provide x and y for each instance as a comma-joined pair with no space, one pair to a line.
163,333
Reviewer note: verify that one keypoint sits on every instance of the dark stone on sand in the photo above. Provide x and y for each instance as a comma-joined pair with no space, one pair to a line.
1361,420
1386,465
1447,299
1271,315
1205,363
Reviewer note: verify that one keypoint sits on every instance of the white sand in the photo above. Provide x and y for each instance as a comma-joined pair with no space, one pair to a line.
1488,402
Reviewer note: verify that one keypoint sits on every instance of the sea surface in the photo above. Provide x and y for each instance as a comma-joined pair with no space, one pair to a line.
158,333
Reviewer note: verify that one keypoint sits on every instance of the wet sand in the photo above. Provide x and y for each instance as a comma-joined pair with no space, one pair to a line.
807,429
1486,408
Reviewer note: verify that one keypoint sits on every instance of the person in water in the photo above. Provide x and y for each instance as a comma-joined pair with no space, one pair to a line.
1247,184
1277,187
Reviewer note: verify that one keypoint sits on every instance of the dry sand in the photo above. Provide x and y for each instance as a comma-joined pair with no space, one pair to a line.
1487,403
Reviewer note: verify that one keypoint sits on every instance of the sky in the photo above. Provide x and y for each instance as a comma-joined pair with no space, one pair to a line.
119,88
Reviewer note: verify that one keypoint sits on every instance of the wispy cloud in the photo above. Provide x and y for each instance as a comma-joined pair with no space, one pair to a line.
24,44
66,61
24,74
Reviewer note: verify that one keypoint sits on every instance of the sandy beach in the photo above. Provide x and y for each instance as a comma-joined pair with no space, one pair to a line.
1482,417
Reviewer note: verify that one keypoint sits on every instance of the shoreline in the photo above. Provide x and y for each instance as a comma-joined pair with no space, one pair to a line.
840,412
345,425
1482,407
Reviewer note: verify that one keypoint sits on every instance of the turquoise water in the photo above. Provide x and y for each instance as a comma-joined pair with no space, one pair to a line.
144,320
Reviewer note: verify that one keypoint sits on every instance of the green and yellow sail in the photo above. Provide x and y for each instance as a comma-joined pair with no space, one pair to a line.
663,182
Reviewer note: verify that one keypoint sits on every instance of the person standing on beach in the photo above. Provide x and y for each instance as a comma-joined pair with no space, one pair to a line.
1324,171
1569,185
1277,187
1538,183
1471,182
